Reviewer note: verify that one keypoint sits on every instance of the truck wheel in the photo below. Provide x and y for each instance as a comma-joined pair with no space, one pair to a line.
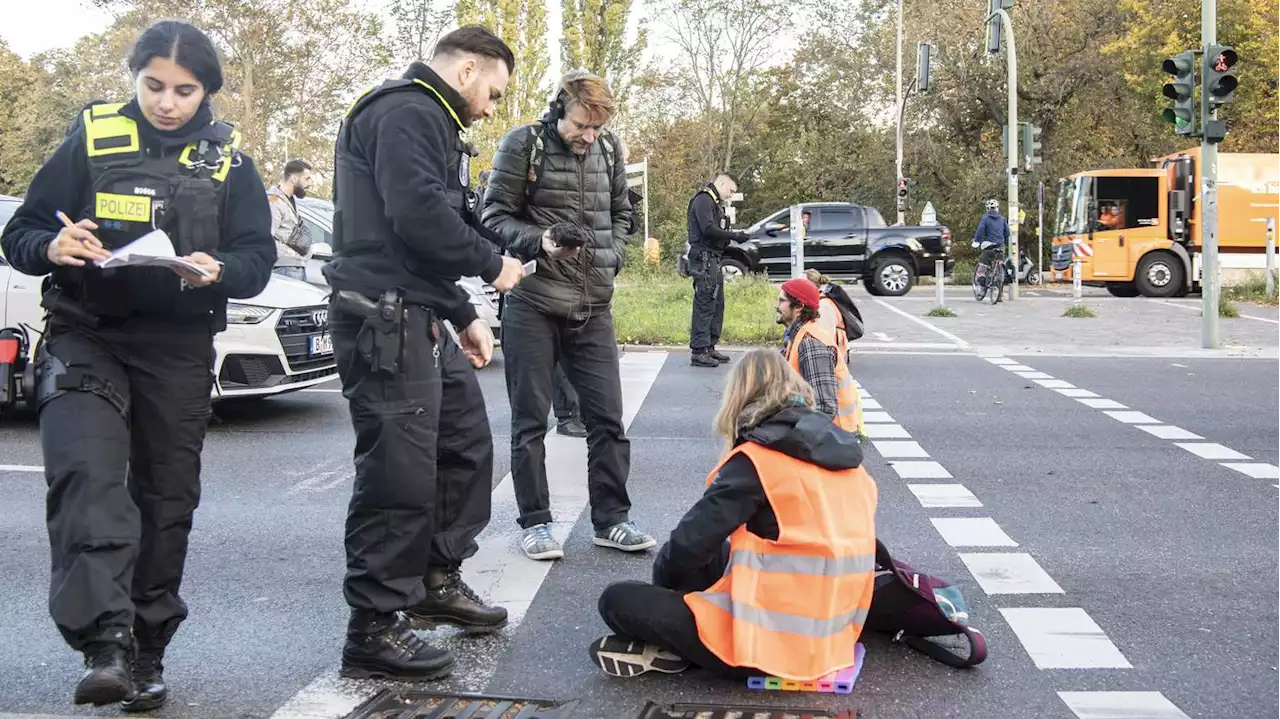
892,276
1122,289
870,285
1159,274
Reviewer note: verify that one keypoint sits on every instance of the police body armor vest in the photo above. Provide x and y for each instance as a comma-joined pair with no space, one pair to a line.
135,191
360,225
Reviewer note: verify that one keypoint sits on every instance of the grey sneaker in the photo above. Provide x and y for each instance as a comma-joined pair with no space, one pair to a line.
538,543
624,536
621,657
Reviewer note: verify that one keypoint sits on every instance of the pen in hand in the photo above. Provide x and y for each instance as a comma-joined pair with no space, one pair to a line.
86,246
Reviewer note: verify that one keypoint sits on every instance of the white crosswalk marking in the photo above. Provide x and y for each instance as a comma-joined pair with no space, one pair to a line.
885,431
1013,573
1211,450
876,417
1075,392
1131,417
972,532
1054,384
920,470
1100,403
1257,470
1168,431
904,449
1121,705
1064,638
944,495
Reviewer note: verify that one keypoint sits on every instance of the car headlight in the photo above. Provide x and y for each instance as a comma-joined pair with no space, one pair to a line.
238,314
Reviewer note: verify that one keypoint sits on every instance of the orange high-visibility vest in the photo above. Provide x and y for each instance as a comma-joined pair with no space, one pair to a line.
794,607
849,409
842,337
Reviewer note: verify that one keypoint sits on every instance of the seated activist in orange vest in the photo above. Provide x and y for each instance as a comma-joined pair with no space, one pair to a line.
831,320
770,572
812,351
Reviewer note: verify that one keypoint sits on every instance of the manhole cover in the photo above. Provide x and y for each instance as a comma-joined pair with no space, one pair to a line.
741,711
409,704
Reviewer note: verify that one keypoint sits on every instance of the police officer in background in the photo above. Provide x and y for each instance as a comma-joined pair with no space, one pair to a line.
125,366
404,233
709,235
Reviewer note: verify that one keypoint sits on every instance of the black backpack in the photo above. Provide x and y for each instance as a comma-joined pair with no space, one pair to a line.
848,310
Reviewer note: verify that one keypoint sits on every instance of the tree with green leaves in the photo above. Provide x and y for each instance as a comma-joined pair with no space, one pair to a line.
594,37
522,24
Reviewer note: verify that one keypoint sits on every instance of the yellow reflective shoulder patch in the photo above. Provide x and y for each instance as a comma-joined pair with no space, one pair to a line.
127,208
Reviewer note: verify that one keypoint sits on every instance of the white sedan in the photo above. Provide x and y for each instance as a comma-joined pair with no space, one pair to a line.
275,342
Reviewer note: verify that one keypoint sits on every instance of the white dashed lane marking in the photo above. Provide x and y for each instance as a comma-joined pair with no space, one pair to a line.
1010,573
1064,638
944,495
1121,705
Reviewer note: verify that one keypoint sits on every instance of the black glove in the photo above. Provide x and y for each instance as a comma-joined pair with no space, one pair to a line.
741,236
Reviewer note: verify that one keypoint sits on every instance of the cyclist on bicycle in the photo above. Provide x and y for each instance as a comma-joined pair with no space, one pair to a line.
991,237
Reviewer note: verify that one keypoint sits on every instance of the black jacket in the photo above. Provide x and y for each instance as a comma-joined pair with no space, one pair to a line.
736,497
706,222
246,250
572,189
406,139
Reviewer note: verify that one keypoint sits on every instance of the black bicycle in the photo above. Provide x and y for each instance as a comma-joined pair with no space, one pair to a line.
988,278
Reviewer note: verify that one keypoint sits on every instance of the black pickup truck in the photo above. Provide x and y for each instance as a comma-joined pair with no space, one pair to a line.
845,242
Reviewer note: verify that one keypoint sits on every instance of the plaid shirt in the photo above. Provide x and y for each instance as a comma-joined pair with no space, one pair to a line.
817,367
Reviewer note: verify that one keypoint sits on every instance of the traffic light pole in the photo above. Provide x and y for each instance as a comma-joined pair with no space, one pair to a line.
1210,285
1014,142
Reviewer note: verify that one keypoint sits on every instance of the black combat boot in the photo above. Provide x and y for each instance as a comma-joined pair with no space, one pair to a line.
148,682
450,601
703,359
107,678
717,355
384,646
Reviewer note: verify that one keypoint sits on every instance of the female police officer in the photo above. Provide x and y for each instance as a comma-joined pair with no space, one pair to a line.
124,370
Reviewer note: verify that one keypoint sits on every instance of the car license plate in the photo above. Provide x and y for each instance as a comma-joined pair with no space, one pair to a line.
321,344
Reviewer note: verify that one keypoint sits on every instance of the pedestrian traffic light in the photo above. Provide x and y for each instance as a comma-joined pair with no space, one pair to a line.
1182,91
1219,75
1217,88
1031,146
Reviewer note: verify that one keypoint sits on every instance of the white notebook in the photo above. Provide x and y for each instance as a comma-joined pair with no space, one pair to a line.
153,249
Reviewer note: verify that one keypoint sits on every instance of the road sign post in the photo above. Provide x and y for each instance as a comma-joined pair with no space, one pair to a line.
797,242
1271,256
1077,289
1040,231
937,282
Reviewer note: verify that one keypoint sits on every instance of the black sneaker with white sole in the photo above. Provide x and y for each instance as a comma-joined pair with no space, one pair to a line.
621,657
625,536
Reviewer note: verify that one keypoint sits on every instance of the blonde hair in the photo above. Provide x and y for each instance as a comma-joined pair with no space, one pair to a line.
591,92
760,384
817,277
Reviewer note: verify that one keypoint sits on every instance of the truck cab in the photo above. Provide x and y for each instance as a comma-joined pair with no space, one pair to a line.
1138,231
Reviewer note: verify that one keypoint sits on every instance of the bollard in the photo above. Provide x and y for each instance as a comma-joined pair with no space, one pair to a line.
937,282
1076,287
1271,256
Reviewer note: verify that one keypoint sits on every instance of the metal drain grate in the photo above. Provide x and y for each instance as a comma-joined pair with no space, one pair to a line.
410,704
743,711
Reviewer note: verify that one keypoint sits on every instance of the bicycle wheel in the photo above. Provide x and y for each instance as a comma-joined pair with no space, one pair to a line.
979,290
997,281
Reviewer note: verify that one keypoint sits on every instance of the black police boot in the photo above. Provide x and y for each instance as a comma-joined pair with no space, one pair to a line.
384,646
450,601
572,427
106,679
717,355
148,681
703,359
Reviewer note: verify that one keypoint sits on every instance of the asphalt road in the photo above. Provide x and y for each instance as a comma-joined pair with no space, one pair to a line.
1162,564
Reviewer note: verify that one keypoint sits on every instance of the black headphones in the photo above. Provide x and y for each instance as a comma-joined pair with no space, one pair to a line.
556,106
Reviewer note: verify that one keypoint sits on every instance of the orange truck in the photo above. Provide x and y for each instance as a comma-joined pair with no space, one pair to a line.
1138,231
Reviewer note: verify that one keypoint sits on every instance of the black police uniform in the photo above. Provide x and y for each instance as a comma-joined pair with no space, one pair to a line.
404,233
125,370
708,237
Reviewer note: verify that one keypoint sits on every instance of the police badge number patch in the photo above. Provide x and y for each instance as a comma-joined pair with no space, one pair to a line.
464,171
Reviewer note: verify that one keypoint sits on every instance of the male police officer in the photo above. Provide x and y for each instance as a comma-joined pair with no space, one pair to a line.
708,237
403,235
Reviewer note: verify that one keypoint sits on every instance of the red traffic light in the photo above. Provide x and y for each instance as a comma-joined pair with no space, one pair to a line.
1224,60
